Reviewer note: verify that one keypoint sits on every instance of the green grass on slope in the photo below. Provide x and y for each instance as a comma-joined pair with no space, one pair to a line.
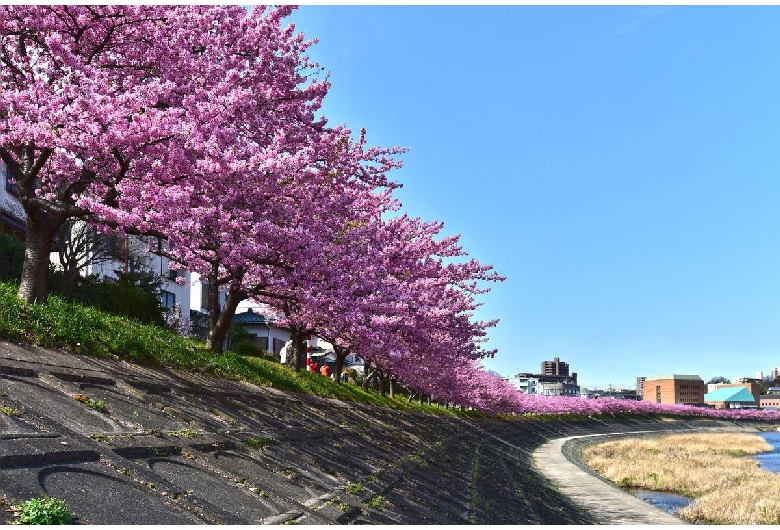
88,331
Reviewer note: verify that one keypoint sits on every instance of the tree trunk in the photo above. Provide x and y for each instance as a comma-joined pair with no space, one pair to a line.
294,358
341,356
220,321
392,388
41,231
366,366
213,301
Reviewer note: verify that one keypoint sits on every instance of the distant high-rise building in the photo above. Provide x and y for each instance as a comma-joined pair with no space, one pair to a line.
640,386
555,367
554,380
775,373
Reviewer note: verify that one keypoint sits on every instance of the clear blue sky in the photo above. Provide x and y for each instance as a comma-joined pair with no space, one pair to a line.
619,164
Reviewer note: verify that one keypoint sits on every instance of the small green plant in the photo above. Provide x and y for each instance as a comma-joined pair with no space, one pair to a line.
159,452
417,461
262,443
99,405
736,452
184,433
375,502
157,433
290,473
344,507
43,510
354,487
8,411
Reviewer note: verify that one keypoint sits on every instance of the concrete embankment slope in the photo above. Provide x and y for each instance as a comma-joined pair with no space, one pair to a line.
172,448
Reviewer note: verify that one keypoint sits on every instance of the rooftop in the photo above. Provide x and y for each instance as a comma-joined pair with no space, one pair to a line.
250,317
738,394
675,377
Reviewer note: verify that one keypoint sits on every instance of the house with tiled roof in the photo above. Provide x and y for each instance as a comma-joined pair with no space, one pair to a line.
265,332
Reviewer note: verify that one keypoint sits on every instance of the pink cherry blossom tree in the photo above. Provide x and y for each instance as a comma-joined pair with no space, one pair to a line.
82,94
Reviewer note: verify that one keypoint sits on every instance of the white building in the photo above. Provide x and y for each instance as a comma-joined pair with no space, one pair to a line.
12,216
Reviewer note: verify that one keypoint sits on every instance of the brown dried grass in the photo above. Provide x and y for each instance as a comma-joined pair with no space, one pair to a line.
711,468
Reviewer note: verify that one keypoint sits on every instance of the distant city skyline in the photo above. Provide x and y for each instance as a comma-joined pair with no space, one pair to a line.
619,164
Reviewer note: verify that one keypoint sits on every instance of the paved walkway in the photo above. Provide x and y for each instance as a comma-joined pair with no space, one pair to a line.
607,503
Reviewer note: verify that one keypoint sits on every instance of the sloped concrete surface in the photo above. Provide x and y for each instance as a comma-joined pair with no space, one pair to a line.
172,448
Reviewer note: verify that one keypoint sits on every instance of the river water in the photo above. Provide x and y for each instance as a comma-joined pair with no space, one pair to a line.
771,460
669,502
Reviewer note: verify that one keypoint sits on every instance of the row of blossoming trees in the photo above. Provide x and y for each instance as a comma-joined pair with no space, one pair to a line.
199,125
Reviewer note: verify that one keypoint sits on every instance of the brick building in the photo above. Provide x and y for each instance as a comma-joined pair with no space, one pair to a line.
674,389
769,400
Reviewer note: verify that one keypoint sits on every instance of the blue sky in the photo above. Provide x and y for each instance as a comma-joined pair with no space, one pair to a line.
619,164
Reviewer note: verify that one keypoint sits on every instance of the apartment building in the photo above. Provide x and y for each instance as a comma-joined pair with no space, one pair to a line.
554,380
555,367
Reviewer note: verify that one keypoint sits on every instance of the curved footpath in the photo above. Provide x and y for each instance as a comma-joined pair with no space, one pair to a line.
606,502
171,447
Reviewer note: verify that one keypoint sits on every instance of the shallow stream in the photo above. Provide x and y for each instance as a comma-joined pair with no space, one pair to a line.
669,502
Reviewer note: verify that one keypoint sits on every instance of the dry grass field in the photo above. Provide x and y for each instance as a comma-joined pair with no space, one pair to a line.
711,468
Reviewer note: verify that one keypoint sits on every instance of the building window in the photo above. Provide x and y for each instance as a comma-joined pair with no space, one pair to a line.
205,302
13,189
658,393
167,299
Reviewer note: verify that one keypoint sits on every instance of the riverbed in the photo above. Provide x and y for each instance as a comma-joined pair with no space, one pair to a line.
671,502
